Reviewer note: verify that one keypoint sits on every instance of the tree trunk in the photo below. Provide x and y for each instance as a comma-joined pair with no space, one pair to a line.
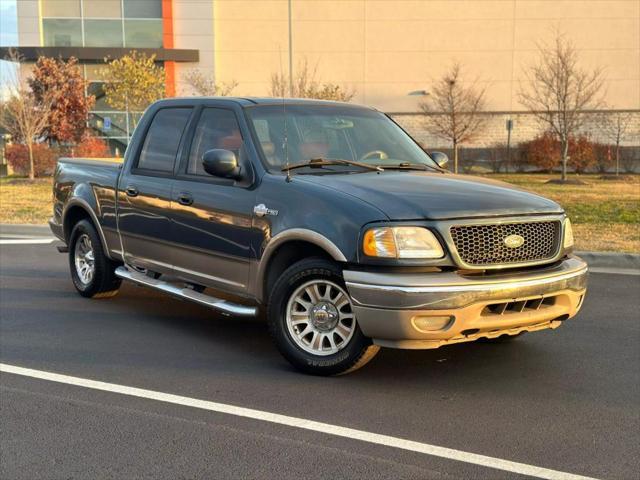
455,157
565,151
617,158
32,173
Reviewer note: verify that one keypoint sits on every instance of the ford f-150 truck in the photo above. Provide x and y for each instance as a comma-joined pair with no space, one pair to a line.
327,217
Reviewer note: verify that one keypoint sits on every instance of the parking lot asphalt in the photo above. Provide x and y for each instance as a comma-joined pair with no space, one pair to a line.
564,400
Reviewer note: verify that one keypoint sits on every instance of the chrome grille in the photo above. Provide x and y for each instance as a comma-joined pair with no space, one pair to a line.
485,244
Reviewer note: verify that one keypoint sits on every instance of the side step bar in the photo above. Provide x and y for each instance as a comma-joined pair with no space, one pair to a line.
223,306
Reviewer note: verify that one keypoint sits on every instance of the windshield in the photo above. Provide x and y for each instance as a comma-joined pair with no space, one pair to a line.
332,132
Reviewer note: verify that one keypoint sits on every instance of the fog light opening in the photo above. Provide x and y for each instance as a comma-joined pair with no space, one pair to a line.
424,323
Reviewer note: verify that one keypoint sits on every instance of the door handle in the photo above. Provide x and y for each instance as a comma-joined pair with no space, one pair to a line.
185,199
131,191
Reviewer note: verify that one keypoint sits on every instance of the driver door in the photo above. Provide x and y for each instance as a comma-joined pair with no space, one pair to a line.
212,216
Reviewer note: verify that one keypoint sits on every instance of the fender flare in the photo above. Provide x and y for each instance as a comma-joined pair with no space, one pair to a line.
301,234
82,203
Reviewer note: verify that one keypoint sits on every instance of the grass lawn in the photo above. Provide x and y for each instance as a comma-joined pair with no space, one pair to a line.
22,201
605,213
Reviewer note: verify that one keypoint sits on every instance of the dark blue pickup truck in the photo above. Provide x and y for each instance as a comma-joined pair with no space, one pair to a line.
325,216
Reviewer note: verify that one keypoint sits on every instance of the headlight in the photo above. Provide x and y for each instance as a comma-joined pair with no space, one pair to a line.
401,242
568,234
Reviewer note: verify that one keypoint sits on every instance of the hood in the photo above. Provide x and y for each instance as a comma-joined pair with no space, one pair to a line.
415,195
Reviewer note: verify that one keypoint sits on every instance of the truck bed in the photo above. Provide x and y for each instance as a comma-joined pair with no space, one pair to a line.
94,180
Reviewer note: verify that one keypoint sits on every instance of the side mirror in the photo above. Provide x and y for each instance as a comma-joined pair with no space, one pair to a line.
440,158
221,163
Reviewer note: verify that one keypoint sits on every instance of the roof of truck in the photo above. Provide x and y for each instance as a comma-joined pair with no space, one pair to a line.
249,101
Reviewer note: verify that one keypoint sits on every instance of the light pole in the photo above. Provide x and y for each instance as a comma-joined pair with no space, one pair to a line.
509,127
290,51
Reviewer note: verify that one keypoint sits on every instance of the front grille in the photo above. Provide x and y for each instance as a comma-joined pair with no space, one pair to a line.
485,244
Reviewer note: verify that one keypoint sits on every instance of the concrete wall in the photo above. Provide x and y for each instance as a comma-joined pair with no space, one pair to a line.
193,27
387,48
28,23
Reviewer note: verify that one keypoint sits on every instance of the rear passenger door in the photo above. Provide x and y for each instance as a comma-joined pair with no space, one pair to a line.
144,193
212,216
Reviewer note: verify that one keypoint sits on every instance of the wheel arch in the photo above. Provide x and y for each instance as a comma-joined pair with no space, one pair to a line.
287,248
78,209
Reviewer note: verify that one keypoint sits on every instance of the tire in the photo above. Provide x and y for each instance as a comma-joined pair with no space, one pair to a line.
98,279
325,350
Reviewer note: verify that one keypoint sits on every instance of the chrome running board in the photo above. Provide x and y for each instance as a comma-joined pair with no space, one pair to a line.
223,306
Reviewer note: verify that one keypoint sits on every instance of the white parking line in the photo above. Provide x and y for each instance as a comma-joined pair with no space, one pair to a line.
364,436
26,241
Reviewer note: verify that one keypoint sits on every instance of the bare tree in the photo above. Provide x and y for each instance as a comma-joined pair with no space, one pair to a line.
306,85
453,110
617,126
205,85
22,115
558,92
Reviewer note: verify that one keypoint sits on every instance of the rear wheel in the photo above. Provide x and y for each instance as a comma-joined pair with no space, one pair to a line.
312,321
92,273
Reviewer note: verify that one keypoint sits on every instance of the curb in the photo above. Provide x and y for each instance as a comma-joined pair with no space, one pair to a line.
624,261
22,229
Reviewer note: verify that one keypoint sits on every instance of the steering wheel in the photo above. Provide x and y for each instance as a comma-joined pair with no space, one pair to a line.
381,154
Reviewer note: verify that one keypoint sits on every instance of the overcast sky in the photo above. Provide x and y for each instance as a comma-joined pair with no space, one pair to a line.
8,23
8,36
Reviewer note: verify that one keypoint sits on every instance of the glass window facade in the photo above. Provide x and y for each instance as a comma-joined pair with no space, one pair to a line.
109,124
103,33
97,90
58,32
142,8
102,8
109,24
104,21
143,33
60,8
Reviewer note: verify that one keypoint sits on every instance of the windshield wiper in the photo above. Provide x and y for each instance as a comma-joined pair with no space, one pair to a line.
321,162
411,166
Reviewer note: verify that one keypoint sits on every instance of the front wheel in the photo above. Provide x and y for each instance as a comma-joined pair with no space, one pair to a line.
312,321
92,273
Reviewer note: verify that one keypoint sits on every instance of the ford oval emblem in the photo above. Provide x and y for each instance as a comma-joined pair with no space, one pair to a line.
514,241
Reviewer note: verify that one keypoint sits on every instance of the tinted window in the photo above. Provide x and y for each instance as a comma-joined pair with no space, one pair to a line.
143,33
103,33
143,8
62,32
217,128
163,137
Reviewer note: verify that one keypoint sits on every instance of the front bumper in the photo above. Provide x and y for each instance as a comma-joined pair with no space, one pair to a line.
428,310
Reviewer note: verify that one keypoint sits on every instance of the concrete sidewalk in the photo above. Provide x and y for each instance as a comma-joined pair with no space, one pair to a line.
596,260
